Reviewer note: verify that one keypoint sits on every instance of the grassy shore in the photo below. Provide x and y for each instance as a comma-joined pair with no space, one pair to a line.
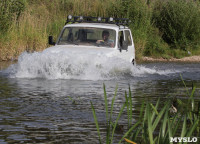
167,29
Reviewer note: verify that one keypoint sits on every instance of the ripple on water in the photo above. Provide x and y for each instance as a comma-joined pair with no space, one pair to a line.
48,110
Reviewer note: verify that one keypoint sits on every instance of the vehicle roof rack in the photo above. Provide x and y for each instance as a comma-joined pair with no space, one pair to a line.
108,20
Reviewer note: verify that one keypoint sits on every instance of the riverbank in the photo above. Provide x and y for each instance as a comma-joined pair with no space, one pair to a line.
190,59
26,25
185,59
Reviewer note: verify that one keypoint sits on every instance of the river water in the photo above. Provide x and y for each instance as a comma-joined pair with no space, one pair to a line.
45,98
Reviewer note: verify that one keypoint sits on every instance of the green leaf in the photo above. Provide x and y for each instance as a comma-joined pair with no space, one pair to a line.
110,119
150,130
183,132
158,118
169,130
96,121
191,130
119,115
184,85
107,121
106,102
130,106
175,124
141,111
155,109
130,130
164,124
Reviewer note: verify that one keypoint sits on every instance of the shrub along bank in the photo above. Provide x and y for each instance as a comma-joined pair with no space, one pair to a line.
160,28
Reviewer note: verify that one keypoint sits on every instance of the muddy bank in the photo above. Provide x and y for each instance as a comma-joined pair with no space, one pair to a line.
185,59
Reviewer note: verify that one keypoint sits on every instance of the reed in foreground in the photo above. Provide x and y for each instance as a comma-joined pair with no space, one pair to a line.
156,123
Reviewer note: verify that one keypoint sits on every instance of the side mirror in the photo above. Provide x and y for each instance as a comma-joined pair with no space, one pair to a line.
124,45
51,40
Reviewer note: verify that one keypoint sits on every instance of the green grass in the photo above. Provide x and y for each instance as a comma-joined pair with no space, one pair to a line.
160,29
156,124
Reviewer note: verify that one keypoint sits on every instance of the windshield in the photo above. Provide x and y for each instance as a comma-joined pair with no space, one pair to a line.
88,36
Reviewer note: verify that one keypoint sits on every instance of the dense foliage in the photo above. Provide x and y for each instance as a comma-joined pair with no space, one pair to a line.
160,28
179,23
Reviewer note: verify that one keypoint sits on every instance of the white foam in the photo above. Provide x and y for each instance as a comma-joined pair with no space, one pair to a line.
55,63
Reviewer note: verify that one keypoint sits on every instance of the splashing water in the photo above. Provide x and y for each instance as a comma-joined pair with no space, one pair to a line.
54,63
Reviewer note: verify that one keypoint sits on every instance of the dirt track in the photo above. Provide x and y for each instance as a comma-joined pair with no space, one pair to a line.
185,59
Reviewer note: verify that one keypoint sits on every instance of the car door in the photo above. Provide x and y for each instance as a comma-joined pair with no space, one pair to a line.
129,53
131,48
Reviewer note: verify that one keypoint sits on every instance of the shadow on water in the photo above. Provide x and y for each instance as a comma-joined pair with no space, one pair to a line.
40,110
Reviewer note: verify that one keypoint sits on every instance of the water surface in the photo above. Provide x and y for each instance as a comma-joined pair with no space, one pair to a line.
45,98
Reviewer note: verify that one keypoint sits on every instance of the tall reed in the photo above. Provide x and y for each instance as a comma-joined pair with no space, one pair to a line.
156,124
111,127
157,26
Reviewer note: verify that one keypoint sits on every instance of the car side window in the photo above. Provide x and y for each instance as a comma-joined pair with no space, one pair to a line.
128,37
120,38
64,36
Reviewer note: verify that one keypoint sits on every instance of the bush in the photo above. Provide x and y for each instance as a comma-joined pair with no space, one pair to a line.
179,23
26,24
10,10
155,46
140,15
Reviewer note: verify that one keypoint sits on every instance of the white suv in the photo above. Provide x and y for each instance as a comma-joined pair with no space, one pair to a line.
110,36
